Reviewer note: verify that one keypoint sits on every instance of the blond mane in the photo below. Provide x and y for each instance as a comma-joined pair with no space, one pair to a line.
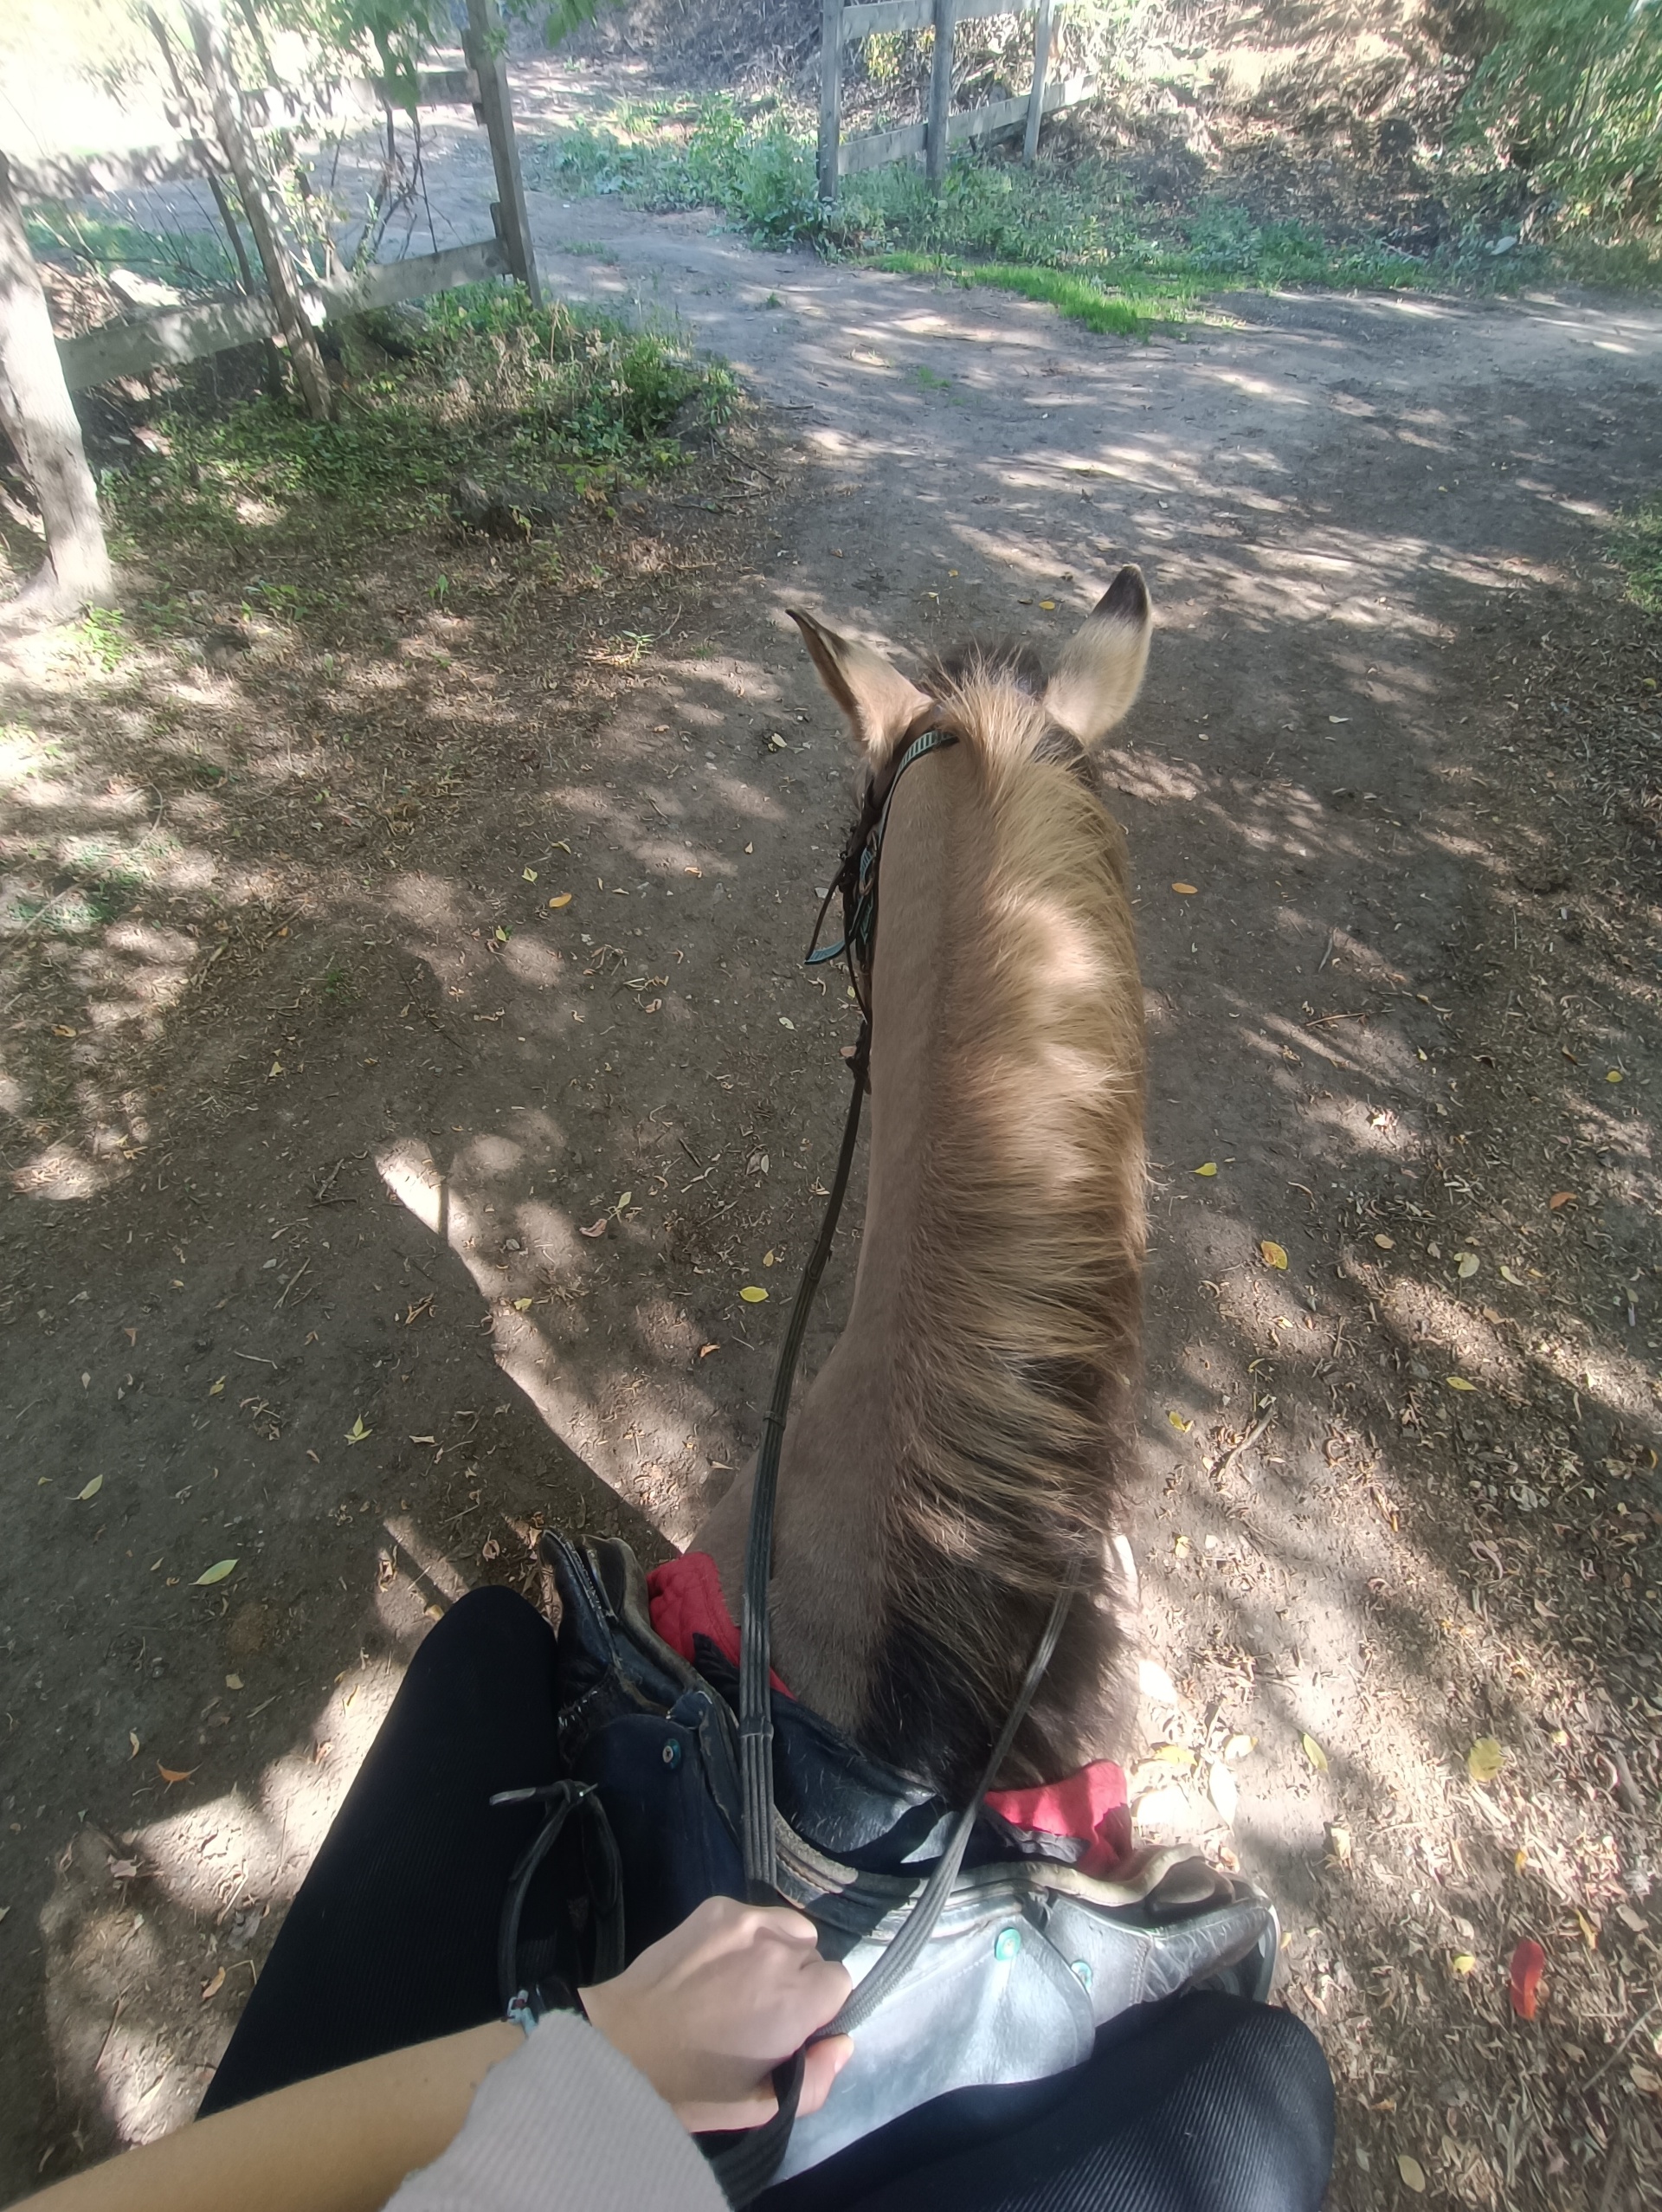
1016,1382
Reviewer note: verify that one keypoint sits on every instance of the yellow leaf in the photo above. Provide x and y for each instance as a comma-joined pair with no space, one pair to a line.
768,1257
357,1432
1465,1264
753,1295
1180,1546
211,1990
1589,1933
1315,1754
565,900
1273,1254
1412,2173
1049,606
528,875
1207,1167
1460,1382
1239,1746
624,1201
217,1573
90,1491
275,1068
501,935
1613,1076
233,1681
1463,1963
216,1388
1177,1755
1507,1276
1187,890
1485,1759
521,1305
1178,1421
1385,1243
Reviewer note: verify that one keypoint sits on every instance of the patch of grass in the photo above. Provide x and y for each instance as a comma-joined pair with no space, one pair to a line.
490,388
103,636
1638,548
1076,297
192,261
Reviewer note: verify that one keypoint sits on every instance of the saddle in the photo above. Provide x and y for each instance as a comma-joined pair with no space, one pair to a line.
1028,1958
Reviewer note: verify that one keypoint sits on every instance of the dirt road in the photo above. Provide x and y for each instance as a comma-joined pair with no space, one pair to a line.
1401,970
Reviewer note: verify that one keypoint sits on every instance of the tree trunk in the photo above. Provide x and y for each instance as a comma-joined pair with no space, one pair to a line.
280,277
37,415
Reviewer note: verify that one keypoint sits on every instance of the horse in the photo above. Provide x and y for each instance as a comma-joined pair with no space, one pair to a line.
971,1438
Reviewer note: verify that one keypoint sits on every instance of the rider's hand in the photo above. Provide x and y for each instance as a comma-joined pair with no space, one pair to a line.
707,2013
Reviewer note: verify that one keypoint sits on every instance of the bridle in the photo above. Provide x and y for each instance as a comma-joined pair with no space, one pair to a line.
746,2168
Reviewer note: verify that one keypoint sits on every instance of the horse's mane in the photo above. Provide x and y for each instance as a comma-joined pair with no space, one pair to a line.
1016,1380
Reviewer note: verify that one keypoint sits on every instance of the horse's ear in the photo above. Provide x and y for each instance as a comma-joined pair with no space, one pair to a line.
877,699
1100,672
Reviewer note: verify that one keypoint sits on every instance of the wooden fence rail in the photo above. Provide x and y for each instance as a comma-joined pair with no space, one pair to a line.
842,23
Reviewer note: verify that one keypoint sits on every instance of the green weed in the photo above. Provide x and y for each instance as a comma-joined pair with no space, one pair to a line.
490,388
1636,544
103,637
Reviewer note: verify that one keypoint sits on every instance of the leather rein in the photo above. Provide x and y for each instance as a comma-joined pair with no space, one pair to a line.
745,2168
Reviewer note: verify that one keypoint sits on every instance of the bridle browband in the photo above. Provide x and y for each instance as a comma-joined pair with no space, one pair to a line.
746,2168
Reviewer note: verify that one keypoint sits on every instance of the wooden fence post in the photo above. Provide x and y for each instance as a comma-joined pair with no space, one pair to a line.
485,57
281,278
940,91
1040,72
830,95
37,416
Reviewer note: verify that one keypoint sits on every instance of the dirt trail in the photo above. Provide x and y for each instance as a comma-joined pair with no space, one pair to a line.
1360,518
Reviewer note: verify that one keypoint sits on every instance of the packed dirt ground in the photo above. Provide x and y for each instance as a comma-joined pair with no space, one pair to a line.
389,1156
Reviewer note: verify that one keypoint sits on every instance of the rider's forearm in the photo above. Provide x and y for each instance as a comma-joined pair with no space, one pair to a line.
340,2143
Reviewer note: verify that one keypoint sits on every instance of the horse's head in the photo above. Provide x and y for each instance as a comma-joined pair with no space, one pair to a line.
973,1431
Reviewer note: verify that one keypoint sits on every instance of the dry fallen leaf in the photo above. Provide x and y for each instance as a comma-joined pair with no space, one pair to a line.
596,1229
1385,1243
1560,1199
211,1990
1239,1746
752,1294
1412,2173
217,1573
1485,1759
563,900
528,875
1460,1382
1465,1264
172,1774
1315,1754
1338,1843
704,1350
1274,1255
785,1021
124,1870
1646,2083
1507,1276
1187,890
90,1491
132,1738
1524,1978
233,1681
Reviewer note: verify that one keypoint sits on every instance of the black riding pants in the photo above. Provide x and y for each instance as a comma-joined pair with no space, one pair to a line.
1205,2104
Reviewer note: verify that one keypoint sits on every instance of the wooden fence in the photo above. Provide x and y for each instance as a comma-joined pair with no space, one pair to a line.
841,24
187,333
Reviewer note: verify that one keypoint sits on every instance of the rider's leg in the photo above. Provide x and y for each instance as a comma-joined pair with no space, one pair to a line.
1204,2104
392,1937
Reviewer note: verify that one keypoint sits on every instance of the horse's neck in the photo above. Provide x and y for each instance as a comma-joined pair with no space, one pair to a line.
838,1465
